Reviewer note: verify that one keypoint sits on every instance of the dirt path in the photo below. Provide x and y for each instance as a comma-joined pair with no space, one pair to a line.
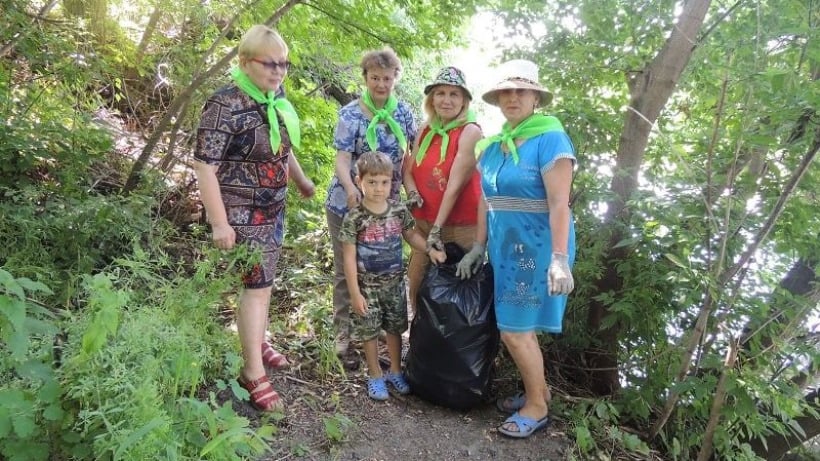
403,428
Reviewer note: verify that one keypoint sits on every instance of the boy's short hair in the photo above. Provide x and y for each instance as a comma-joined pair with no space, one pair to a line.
374,163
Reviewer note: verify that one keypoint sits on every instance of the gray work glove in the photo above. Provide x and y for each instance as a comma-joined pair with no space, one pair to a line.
471,263
434,239
414,200
559,276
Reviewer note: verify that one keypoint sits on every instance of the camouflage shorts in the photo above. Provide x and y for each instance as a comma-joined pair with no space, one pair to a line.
386,307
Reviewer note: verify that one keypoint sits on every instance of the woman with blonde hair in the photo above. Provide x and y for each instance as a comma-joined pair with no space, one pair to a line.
243,161
440,175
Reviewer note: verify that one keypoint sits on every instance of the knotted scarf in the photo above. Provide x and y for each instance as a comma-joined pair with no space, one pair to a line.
386,114
533,125
282,105
437,129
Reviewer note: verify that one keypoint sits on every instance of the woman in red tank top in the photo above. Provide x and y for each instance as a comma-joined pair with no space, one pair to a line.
440,175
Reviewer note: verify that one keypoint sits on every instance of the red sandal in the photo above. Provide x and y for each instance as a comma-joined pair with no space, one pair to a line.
262,398
273,359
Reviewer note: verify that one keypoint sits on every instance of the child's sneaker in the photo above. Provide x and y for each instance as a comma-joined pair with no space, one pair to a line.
377,388
398,382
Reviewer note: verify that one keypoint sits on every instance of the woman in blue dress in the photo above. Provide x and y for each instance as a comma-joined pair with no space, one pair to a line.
526,224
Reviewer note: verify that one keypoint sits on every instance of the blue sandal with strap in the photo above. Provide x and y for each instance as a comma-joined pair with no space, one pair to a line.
377,388
526,426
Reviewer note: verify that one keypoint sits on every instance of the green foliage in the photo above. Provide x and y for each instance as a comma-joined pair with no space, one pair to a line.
30,406
306,282
336,427
55,238
136,398
104,308
48,136
716,164
44,138
597,432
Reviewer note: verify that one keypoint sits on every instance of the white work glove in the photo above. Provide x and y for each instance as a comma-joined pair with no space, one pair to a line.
559,276
471,263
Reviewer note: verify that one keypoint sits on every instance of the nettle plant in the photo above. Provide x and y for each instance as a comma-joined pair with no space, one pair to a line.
30,408
142,353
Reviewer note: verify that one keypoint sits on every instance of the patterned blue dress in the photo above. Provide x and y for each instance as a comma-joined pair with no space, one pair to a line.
519,236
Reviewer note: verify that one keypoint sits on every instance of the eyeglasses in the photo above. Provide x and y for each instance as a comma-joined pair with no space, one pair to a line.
273,65
376,79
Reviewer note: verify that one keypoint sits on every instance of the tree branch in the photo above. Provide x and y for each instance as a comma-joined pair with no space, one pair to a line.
147,33
763,233
717,403
708,303
344,23
16,37
719,20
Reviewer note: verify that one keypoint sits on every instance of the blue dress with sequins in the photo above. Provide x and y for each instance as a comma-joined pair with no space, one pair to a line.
519,237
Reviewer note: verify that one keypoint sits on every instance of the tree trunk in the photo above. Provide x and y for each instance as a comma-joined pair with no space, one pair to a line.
338,93
650,89
150,28
182,99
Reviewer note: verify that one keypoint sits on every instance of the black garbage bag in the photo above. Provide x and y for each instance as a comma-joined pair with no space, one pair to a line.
454,338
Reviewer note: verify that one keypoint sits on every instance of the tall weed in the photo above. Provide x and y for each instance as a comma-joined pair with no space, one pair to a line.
30,407
136,381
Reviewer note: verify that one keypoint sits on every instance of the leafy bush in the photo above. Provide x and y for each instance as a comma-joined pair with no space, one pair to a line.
30,407
55,239
47,135
137,360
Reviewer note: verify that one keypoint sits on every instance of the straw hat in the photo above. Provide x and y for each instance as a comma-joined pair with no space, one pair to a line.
449,76
515,74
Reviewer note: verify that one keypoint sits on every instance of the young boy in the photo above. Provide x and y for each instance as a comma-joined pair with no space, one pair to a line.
371,245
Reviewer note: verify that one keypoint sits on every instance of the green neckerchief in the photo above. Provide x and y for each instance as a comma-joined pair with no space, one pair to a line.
386,114
443,131
282,105
533,125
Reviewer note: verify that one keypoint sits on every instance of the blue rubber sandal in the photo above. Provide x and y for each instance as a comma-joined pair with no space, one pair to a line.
377,388
398,382
512,403
526,426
